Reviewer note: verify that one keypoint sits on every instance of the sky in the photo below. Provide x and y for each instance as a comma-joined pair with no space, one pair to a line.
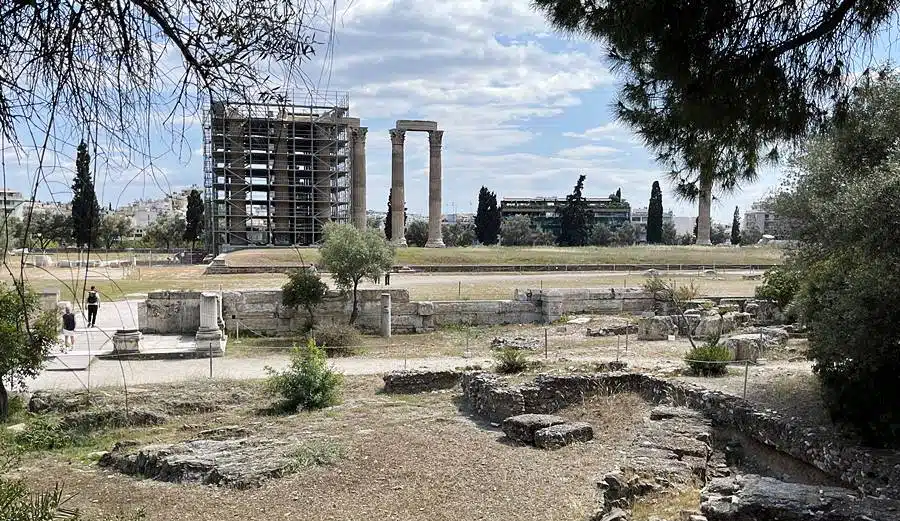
525,110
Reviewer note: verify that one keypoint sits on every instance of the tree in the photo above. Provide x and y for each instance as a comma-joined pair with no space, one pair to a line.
849,294
373,222
669,233
601,235
304,288
193,228
655,215
85,208
619,195
388,232
735,75
574,218
11,230
113,228
458,234
518,230
417,233
166,230
750,235
736,227
351,255
487,218
26,336
50,226
626,234
718,234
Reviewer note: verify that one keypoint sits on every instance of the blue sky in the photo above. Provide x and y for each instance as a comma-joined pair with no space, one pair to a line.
524,110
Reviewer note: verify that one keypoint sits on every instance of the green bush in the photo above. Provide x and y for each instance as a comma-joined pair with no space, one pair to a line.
317,453
43,433
308,384
780,284
510,360
304,289
709,359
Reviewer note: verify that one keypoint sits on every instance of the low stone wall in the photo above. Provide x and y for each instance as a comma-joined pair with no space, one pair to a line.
260,311
871,471
221,267
412,382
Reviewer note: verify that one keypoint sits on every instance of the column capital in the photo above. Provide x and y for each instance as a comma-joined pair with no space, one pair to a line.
435,137
397,136
359,134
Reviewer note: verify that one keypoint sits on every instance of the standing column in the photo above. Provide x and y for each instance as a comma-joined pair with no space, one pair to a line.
398,201
358,181
435,238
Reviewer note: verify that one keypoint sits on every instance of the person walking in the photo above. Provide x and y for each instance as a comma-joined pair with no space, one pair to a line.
93,305
68,327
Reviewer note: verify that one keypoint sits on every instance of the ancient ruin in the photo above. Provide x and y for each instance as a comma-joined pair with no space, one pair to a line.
398,200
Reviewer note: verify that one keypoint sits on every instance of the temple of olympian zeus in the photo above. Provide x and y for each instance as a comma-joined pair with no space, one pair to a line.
398,199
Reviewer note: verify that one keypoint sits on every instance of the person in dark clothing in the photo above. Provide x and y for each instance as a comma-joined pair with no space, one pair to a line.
69,328
93,305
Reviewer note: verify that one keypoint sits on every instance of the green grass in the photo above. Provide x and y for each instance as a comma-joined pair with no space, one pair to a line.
317,453
536,255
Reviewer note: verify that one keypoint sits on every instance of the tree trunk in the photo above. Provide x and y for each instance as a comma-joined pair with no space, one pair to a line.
355,312
4,401
705,202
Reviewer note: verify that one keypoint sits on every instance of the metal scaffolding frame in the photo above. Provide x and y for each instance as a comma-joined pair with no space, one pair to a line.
275,173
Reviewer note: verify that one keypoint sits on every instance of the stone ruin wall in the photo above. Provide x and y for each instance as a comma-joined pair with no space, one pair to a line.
874,472
261,312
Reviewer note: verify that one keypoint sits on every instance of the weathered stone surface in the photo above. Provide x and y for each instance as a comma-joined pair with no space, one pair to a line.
523,427
765,312
744,347
629,329
519,342
728,308
751,497
411,382
737,318
710,326
773,336
558,436
240,463
17,428
655,328
111,417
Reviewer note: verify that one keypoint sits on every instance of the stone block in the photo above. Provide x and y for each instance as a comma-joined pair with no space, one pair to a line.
710,326
744,347
523,426
411,382
425,309
127,341
655,328
558,436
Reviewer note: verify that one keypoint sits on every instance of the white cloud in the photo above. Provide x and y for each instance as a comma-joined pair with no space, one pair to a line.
613,131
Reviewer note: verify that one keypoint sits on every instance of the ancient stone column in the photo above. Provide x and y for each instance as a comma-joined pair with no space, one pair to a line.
435,239
398,200
358,178
386,315
210,340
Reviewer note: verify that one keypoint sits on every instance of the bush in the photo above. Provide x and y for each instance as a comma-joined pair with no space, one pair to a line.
43,434
779,284
308,384
709,359
332,336
510,361
305,289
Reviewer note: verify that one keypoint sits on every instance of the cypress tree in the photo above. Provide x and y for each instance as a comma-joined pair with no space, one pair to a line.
574,217
85,208
736,227
487,218
655,215
194,218
387,217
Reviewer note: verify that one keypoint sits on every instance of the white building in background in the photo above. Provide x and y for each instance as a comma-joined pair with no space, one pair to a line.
458,218
144,211
12,202
639,217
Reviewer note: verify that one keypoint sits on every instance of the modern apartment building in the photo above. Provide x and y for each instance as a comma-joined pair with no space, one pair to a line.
542,210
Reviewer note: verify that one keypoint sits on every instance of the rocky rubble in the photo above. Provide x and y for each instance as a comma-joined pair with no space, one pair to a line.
412,382
518,342
545,431
752,498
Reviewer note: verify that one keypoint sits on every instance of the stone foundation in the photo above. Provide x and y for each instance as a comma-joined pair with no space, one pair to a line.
872,471
412,382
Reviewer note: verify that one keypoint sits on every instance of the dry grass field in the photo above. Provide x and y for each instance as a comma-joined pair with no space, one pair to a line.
535,255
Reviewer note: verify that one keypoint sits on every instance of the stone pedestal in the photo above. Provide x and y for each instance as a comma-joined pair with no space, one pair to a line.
49,299
358,178
435,238
386,315
210,339
398,198
127,341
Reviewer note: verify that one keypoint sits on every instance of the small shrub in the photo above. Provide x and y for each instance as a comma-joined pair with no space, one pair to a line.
709,359
43,434
685,292
317,453
304,289
510,361
779,284
308,384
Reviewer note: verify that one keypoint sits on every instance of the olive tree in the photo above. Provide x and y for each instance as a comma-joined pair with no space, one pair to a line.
26,336
304,288
351,255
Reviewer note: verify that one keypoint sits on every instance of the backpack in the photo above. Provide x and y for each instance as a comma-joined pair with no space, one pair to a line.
92,297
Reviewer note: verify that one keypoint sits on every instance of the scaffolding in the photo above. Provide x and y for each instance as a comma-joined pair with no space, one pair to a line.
275,173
